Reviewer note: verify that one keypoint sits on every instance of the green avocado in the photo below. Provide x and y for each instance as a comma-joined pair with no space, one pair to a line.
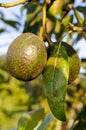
74,62
73,59
26,57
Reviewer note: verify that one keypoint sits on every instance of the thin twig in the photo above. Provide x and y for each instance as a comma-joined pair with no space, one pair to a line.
45,34
79,24
7,5
43,25
44,16
76,28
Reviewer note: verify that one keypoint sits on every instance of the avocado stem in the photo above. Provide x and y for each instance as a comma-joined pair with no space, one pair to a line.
50,42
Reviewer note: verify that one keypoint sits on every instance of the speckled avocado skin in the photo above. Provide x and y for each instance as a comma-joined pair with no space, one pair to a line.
26,57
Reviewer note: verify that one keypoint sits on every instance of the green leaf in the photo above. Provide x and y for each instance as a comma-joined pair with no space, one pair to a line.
63,27
55,8
78,17
33,18
11,23
32,12
66,20
56,79
30,119
81,9
46,122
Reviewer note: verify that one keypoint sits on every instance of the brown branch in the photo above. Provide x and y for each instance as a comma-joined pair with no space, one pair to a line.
7,5
47,38
76,28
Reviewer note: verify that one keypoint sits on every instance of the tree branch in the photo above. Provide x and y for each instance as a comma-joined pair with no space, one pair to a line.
7,5
76,28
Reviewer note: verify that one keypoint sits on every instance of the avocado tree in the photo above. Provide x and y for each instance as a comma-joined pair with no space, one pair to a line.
34,55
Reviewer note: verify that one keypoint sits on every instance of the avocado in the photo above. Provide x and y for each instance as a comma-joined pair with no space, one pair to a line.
74,62
73,59
26,57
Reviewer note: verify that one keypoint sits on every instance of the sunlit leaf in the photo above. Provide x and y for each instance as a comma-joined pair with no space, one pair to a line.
66,20
29,120
56,80
63,26
56,7
57,26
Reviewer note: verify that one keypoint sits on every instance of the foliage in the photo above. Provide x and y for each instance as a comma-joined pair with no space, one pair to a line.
13,99
17,98
56,78
30,120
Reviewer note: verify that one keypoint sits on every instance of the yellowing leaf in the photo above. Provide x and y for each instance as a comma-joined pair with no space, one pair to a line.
56,79
56,7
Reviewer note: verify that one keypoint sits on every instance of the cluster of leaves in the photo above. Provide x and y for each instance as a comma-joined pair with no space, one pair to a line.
59,21
58,18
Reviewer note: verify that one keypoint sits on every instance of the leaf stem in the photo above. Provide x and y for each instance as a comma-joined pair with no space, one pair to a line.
51,43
